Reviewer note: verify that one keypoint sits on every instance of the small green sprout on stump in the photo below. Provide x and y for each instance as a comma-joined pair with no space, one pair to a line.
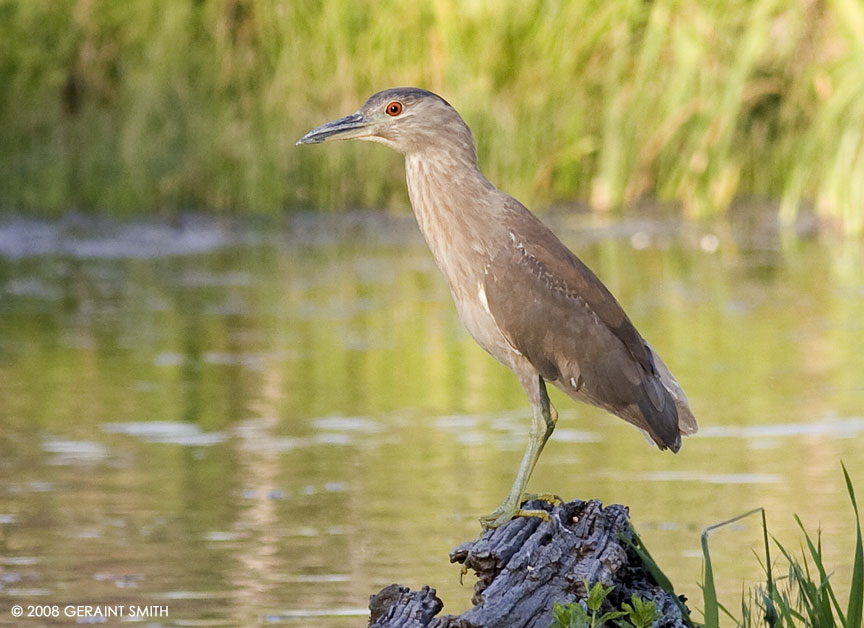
639,614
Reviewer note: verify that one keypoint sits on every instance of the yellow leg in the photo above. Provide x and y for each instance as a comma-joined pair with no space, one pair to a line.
542,425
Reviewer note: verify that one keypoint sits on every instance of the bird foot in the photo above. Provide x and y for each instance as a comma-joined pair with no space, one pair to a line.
550,498
503,515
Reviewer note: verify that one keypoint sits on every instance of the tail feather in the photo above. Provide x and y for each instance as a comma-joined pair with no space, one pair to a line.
660,416
686,421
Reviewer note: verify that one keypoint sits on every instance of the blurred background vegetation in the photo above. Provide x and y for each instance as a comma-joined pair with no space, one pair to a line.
135,106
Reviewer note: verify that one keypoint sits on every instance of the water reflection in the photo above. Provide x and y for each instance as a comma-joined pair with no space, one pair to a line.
254,424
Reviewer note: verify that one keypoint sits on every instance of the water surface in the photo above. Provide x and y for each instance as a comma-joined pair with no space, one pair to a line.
258,424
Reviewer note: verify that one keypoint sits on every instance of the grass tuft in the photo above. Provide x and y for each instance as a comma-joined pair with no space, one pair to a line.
806,599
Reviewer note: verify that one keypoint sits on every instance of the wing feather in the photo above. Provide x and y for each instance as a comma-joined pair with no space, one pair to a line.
557,313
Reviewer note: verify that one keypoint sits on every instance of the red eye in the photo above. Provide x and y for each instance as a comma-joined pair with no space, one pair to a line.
394,108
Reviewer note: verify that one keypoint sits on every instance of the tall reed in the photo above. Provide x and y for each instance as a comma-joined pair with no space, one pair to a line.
135,106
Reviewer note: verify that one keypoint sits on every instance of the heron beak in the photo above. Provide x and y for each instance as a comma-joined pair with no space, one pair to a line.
354,126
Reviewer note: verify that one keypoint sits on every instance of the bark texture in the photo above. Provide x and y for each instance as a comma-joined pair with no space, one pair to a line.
528,564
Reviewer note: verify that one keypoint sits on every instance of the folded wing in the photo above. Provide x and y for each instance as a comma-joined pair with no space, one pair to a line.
556,312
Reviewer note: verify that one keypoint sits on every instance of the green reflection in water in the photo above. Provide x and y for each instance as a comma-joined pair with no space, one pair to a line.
326,426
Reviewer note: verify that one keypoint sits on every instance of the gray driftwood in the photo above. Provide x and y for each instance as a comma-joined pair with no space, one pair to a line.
527,565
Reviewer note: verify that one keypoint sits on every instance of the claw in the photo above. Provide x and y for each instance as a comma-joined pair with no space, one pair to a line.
500,517
462,573
549,498
540,514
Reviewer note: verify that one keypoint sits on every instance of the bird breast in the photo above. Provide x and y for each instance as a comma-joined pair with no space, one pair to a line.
456,209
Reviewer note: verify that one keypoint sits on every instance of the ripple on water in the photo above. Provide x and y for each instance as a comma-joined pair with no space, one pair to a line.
18,561
308,613
85,238
72,452
166,432
708,478
257,435
192,595
36,486
250,361
319,577
34,288
834,427
348,424
470,429
221,536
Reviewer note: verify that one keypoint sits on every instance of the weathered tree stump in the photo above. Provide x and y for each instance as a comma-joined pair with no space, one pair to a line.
528,564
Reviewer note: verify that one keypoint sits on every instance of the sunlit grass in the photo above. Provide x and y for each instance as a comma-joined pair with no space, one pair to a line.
804,597
129,107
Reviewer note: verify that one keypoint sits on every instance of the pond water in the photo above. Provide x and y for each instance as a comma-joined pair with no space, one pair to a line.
256,424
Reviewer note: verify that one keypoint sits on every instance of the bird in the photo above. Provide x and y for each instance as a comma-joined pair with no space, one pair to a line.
523,296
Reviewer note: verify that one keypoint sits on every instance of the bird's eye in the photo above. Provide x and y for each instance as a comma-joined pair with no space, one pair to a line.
394,108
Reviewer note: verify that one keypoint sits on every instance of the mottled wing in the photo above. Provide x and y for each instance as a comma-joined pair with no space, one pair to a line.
554,310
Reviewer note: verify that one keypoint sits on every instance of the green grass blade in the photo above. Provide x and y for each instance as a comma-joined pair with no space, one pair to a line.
806,591
638,546
825,593
768,598
634,541
728,613
805,598
856,592
790,614
709,592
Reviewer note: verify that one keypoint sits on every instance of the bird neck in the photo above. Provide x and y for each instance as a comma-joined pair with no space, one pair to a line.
457,210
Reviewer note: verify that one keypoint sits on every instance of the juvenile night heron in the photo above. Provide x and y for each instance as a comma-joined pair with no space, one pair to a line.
524,297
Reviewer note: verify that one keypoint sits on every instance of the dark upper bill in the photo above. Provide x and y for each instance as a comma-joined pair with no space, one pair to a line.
355,125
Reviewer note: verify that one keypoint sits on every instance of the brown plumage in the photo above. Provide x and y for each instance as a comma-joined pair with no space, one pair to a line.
523,295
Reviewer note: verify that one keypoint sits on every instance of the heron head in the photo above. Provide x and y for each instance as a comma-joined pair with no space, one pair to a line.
407,119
